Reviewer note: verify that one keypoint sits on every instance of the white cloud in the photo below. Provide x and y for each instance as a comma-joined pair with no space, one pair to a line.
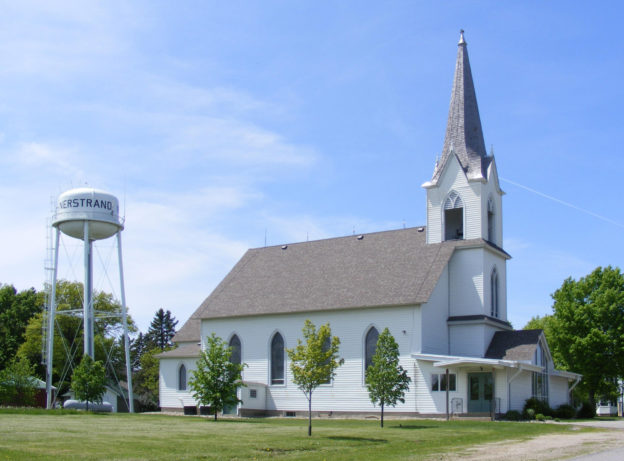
238,142
32,154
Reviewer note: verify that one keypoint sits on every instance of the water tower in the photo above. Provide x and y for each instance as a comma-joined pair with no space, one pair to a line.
86,214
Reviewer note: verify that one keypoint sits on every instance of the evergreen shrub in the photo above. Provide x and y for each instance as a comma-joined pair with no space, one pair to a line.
538,406
513,415
565,411
587,411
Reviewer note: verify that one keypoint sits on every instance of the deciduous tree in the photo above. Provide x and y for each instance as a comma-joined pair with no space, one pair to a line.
314,362
586,330
89,381
68,334
386,380
16,310
146,380
216,379
17,383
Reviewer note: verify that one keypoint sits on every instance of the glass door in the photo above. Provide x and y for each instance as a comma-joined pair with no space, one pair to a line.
480,392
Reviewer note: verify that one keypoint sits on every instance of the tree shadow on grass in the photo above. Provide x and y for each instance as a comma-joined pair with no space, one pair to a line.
210,419
356,439
412,426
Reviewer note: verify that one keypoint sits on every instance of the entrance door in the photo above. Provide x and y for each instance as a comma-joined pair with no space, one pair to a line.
480,392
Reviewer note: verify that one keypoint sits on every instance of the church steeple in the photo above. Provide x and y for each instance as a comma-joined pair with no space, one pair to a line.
464,135
464,199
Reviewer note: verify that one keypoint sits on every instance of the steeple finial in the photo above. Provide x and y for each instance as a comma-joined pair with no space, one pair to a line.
461,37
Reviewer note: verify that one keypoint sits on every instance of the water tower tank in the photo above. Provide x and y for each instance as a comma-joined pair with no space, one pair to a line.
98,208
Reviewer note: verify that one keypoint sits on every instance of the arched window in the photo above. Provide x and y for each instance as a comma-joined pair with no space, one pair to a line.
453,217
235,354
490,221
277,359
370,346
182,378
494,298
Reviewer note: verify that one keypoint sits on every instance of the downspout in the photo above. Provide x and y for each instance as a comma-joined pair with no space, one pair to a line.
448,306
578,380
447,394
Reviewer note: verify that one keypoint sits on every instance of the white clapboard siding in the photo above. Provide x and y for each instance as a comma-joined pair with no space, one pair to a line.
557,391
170,396
468,340
520,390
466,282
347,392
434,314
454,179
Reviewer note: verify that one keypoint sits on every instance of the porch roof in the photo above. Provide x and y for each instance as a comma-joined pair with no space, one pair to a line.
569,375
444,361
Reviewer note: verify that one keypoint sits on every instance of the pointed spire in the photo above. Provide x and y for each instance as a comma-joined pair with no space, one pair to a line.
464,135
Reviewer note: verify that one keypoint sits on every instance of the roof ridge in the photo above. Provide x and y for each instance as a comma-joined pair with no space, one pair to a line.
279,245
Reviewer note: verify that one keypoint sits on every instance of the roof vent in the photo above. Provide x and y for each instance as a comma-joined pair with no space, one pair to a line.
284,247
360,237
420,229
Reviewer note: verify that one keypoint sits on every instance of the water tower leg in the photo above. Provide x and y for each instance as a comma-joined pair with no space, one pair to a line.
124,315
51,314
88,294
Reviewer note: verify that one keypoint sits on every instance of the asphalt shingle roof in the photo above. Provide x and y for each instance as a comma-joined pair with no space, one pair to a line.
514,345
183,350
391,268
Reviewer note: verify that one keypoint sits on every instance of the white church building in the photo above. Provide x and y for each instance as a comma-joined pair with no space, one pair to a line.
440,289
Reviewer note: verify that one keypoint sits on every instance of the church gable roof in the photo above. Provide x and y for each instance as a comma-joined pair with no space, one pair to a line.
464,135
514,345
391,268
189,331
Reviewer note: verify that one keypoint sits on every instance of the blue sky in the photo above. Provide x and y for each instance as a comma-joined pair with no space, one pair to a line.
217,123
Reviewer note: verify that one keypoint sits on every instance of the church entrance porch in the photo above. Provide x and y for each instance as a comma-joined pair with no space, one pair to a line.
480,392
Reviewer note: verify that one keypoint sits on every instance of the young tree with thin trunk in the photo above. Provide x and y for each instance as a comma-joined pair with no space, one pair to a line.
315,362
89,380
216,379
386,380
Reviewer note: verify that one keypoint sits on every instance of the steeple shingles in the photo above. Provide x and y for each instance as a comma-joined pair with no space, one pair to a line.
464,135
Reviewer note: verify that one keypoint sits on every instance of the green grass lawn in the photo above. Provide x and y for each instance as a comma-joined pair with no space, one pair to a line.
56,435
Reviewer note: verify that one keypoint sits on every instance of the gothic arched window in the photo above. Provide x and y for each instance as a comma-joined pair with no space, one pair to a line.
182,378
490,221
235,354
494,298
453,217
370,346
277,359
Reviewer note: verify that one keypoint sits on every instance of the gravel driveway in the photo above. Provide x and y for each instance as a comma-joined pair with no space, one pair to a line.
607,445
